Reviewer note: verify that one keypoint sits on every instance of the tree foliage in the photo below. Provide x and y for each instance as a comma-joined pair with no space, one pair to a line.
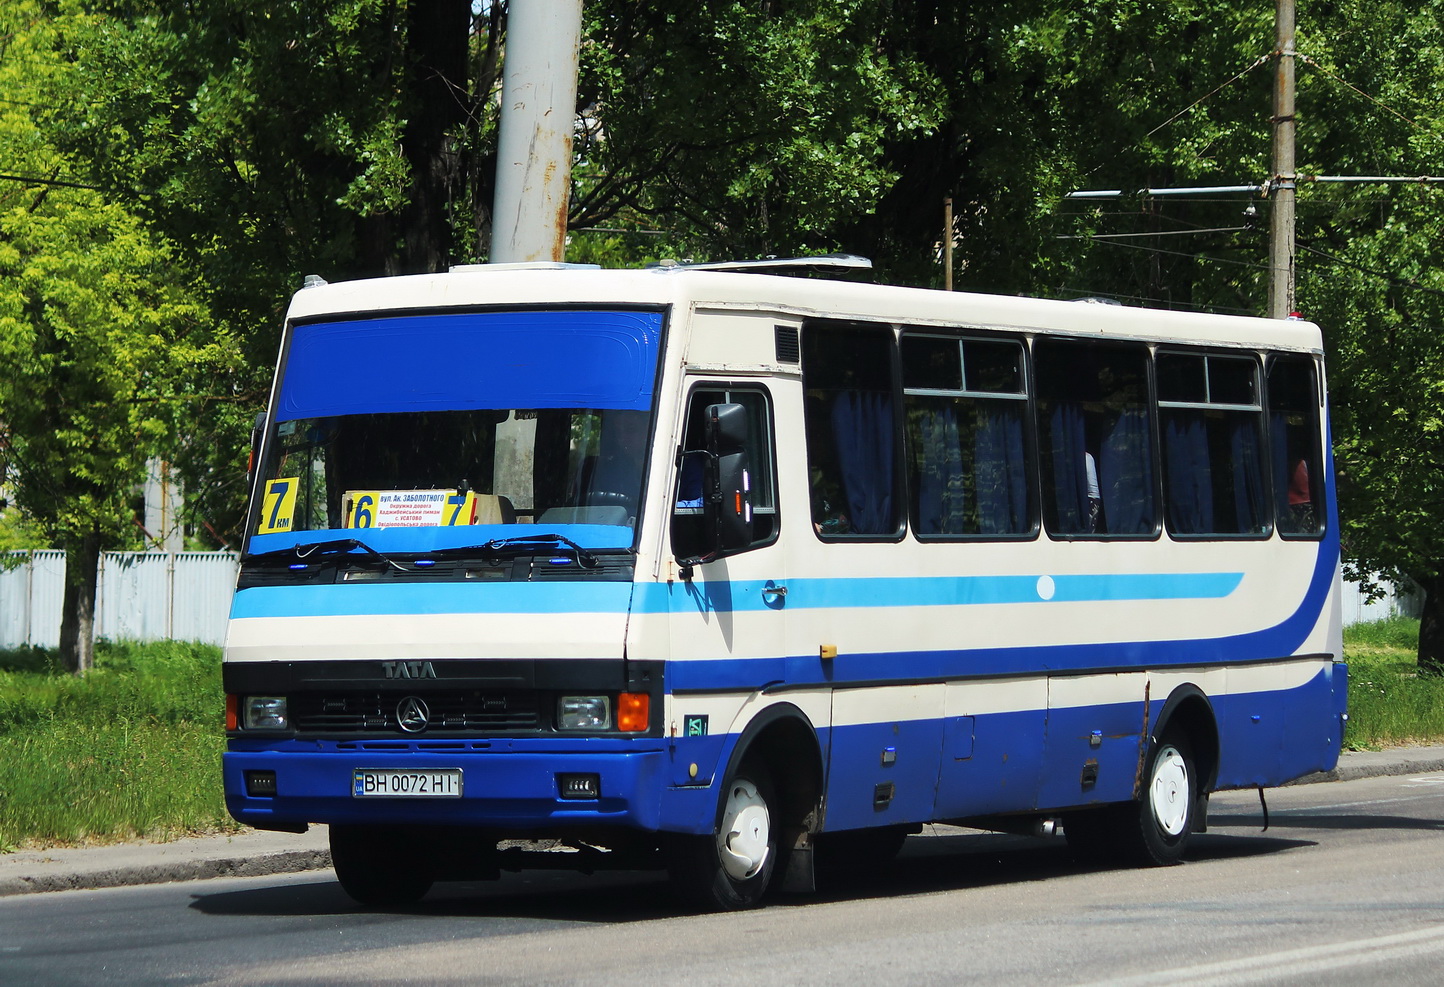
103,340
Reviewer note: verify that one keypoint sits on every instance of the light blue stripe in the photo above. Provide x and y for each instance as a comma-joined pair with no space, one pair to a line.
587,597
946,591
361,599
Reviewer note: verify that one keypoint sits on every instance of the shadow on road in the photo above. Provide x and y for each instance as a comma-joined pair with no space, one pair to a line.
1294,819
927,864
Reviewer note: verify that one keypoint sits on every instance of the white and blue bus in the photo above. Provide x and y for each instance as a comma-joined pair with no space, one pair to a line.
733,573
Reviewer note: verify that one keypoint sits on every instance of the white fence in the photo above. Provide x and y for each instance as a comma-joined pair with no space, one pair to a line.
142,596
1405,601
186,596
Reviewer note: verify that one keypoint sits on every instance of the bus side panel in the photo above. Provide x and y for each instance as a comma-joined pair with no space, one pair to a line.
1267,738
994,752
997,770
1093,739
884,755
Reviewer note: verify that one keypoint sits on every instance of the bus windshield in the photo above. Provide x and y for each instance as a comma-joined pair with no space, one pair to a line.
427,469
433,424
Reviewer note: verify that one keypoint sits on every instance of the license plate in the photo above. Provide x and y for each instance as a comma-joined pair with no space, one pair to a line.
442,783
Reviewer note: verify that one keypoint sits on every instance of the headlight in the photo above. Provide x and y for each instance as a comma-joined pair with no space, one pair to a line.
584,713
264,713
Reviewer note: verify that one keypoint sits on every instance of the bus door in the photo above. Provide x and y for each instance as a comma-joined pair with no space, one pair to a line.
727,619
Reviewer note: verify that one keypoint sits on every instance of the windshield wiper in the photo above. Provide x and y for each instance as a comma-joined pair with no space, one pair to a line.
335,546
584,558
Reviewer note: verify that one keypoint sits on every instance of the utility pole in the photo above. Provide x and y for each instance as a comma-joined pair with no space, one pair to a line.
1284,182
534,145
948,243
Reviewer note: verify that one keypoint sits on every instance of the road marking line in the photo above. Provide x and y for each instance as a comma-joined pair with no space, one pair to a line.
1294,963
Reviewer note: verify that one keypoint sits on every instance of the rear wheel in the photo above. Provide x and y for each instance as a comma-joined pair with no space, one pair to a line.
1164,818
1153,830
730,869
380,866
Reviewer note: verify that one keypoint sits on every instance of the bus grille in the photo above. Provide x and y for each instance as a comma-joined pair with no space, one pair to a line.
449,712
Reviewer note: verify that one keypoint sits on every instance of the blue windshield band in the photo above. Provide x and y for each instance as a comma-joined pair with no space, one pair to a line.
468,360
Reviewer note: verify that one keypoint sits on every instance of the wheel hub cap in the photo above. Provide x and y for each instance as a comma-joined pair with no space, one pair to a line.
742,842
1169,791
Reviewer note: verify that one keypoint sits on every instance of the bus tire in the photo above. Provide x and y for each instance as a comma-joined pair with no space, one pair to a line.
375,868
1163,820
730,869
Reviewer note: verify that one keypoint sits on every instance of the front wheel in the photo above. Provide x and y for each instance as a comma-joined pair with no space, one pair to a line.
730,869
380,866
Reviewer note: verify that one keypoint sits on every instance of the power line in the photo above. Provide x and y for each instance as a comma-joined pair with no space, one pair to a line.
58,182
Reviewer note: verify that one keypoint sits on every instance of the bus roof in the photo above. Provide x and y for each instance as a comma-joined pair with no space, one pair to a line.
479,286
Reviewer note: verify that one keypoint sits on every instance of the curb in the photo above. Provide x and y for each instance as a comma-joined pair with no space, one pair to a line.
168,872
1354,770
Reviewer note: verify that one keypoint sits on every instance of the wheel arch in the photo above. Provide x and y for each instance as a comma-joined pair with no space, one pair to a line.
784,739
1188,709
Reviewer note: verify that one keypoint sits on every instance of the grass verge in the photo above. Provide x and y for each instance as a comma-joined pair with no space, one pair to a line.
1389,702
131,750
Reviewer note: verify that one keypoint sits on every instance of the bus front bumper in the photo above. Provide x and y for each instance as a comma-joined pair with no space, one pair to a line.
513,791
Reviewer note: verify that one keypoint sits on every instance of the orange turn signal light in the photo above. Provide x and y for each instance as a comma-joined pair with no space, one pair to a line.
633,712
232,718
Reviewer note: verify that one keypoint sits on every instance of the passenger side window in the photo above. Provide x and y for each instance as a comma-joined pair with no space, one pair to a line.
850,419
1297,464
1212,433
965,409
688,513
1095,438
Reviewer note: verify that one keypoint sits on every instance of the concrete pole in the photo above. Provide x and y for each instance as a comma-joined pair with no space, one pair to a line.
534,147
948,243
1281,224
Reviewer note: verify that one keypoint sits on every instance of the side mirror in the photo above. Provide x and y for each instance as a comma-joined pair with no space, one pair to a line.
731,483
715,520
726,428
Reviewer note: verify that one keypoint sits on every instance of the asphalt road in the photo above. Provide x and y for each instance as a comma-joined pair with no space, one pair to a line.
1345,887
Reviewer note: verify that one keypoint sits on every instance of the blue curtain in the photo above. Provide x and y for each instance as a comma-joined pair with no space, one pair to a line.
1125,474
1186,470
1279,455
862,427
940,483
999,473
1248,475
1070,477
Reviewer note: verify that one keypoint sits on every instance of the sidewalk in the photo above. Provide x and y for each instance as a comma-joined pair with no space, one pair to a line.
253,853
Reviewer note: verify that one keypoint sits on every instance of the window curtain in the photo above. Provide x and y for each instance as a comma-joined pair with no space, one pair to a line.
1186,468
1279,454
1248,475
1070,477
862,427
940,484
1125,474
1002,482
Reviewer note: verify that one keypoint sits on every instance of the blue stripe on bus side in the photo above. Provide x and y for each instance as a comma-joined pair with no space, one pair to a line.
352,599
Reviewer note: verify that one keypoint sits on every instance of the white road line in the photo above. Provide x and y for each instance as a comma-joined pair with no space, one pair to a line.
1294,964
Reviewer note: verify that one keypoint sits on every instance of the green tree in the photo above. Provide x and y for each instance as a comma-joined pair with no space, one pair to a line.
103,346
266,141
1371,270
